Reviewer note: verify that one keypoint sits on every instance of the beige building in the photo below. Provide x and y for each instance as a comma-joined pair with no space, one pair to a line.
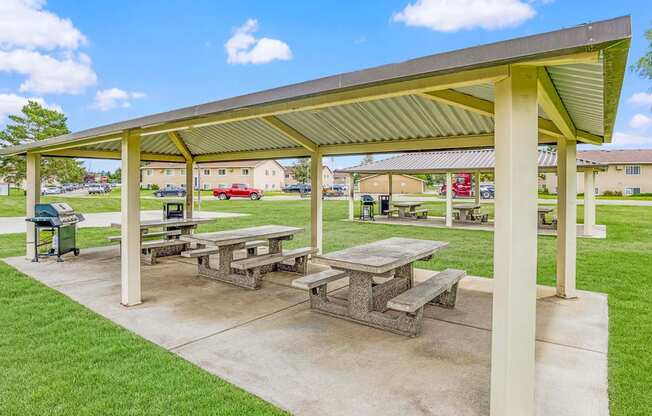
262,174
401,184
627,171
328,177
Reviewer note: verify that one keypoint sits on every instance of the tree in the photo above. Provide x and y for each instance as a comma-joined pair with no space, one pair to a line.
367,159
301,170
36,123
643,66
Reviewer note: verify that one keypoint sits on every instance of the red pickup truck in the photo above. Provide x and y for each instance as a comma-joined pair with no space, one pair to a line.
238,190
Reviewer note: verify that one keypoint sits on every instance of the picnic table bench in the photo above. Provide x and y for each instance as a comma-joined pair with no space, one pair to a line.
247,272
171,230
394,305
469,213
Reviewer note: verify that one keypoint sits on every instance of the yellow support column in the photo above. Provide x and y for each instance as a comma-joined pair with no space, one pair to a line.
566,217
189,188
33,197
449,199
130,226
316,216
515,245
589,201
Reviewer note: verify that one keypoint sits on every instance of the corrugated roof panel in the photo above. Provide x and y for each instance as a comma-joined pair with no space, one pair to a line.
452,160
158,143
581,88
404,117
251,134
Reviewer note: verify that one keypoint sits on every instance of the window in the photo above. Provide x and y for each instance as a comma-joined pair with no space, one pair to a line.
287,176
207,186
149,172
273,186
632,191
168,172
597,192
632,170
222,185
266,172
221,172
183,172
207,172
266,186
273,172
245,172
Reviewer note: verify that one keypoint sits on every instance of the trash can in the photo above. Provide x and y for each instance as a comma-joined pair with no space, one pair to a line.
384,204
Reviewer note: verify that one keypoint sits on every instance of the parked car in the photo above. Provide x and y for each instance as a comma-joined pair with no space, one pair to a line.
170,191
487,191
51,190
95,189
238,190
297,187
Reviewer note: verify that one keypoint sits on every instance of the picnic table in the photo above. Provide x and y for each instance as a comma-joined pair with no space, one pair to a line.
406,209
469,213
169,245
392,261
247,272
543,222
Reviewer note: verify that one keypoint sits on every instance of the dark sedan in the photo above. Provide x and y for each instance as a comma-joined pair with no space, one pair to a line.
171,191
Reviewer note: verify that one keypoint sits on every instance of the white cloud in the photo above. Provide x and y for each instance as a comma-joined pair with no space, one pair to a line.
454,15
12,104
641,98
24,23
115,97
621,139
244,48
640,121
46,74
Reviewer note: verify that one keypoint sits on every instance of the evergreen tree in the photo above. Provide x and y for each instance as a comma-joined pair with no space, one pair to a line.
36,123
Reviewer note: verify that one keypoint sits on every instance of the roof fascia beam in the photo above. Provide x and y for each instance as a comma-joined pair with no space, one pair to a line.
290,133
76,144
552,104
572,59
338,97
109,154
176,138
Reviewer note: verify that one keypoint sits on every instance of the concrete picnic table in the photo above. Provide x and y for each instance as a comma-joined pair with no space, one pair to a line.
185,225
392,259
466,211
543,223
226,242
406,208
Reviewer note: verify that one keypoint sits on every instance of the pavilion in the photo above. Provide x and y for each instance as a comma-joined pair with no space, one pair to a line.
474,161
559,88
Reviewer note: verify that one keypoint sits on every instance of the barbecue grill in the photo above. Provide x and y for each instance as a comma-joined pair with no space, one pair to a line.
60,221
367,204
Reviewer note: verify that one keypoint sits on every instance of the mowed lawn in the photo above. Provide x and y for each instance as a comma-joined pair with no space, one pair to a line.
56,357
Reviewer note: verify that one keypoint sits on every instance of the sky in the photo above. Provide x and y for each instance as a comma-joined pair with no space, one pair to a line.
102,62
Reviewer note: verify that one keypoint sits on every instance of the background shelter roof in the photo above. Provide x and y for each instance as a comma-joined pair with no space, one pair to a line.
456,161
434,102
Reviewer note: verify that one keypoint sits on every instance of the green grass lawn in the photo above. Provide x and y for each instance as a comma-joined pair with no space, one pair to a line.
53,352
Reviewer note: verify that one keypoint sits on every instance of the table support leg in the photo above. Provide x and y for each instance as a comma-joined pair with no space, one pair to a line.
223,273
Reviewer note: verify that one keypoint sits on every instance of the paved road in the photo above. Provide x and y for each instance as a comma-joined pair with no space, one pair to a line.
10,225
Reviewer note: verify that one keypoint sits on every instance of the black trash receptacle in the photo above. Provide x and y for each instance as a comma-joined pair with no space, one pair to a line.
384,204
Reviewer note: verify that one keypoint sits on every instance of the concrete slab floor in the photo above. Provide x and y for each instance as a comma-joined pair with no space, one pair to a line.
599,231
270,343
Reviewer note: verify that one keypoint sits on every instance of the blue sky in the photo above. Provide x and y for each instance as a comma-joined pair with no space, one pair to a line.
102,62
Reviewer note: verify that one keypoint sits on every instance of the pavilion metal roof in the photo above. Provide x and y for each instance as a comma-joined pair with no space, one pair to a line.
455,161
384,104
